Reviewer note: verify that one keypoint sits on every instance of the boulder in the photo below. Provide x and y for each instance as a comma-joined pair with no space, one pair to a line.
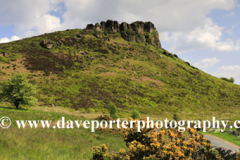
5,54
175,55
47,44
90,27
187,63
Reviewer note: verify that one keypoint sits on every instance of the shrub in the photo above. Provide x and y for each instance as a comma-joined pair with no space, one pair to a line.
3,59
113,110
135,114
91,110
232,79
228,80
17,90
117,34
105,32
163,144
81,109
176,117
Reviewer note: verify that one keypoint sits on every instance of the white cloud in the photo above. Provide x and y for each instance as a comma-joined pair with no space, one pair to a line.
230,68
229,71
206,37
5,39
167,15
207,62
186,20
30,17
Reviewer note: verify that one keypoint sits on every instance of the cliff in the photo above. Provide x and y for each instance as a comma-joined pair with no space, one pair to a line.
139,32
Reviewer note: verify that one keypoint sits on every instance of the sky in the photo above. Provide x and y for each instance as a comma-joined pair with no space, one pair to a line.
203,32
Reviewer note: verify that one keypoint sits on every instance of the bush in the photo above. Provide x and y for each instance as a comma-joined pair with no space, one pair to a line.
135,114
91,110
18,91
232,79
81,109
228,80
164,144
113,110
3,59
176,117
105,32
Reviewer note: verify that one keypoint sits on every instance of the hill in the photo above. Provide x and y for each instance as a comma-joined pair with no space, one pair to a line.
120,63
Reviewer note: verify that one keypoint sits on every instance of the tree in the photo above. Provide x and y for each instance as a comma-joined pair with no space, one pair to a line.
228,80
113,110
232,79
18,90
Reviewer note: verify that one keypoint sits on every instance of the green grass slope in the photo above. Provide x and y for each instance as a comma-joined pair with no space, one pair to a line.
82,71
42,143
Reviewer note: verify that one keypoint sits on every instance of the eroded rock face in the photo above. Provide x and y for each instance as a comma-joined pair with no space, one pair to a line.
138,31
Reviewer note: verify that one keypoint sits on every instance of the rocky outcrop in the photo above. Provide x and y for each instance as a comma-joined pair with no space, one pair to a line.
47,44
138,31
226,154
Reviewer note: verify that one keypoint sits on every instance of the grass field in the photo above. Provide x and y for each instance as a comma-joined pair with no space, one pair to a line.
45,143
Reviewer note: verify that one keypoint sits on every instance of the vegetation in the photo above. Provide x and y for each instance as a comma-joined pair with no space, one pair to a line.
228,80
82,71
176,117
113,110
17,90
165,144
59,144
88,74
135,114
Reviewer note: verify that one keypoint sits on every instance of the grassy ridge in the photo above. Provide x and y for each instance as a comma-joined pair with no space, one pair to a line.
84,72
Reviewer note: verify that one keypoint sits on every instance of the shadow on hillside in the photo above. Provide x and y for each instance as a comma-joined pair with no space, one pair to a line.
14,108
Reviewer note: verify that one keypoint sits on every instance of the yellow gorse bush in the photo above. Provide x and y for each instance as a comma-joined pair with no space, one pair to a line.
162,145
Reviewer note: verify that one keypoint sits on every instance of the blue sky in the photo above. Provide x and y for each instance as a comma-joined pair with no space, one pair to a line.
205,33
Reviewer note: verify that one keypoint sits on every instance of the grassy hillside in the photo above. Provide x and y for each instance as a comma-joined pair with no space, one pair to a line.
82,72
39,143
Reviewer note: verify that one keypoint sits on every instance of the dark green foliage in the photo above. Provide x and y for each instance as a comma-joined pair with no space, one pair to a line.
18,91
105,32
176,117
113,110
228,80
232,79
135,114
